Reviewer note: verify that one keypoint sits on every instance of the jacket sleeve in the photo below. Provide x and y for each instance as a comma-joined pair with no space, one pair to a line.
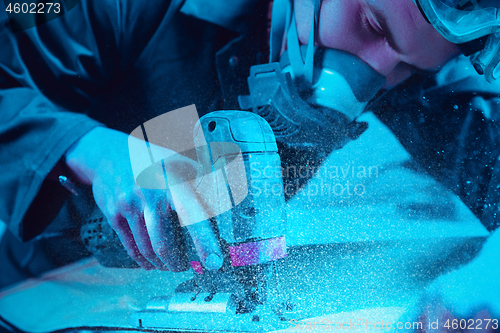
50,76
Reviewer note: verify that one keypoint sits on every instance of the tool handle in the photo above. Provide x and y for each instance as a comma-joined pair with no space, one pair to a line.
102,241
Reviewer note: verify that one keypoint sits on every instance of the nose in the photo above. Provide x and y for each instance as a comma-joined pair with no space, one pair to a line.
387,62
380,57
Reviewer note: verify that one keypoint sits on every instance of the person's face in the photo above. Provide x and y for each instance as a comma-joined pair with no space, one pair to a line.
390,35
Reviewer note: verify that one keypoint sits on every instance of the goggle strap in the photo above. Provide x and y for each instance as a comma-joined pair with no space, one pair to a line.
419,6
309,63
487,62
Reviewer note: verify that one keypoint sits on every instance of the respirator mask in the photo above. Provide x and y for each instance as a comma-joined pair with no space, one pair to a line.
310,95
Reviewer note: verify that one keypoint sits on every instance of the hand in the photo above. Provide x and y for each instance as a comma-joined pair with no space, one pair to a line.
142,218
473,291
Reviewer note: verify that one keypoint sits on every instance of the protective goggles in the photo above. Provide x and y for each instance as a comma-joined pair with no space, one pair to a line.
463,21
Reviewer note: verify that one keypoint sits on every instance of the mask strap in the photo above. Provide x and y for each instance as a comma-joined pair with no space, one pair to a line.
309,63
293,47
283,19
280,20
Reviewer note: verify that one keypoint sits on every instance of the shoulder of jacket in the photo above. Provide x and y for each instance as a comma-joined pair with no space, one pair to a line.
234,17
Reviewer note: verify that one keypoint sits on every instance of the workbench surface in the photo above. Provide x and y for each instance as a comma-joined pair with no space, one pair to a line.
351,255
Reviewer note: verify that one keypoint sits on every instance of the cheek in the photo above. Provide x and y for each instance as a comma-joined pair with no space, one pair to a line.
398,75
338,23
303,14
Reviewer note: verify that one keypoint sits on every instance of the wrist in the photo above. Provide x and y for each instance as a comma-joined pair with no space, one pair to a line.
83,157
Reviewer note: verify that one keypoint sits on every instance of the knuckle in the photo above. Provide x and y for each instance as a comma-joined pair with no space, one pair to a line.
115,222
162,251
162,248
150,255
135,255
120,203
122,198
127,201
139,196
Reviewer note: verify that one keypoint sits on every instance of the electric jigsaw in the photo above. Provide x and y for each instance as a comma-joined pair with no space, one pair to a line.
243,295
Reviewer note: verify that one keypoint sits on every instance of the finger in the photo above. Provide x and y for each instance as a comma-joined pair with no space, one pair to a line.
139,230
194,215
122,229
165,236
206,244
456,293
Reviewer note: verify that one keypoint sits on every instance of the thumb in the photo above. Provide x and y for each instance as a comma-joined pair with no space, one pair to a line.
206,244
194,214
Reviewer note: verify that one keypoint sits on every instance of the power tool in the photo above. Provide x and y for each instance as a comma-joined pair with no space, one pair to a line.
243,295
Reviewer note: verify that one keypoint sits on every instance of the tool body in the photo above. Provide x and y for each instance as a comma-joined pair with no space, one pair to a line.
238,152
